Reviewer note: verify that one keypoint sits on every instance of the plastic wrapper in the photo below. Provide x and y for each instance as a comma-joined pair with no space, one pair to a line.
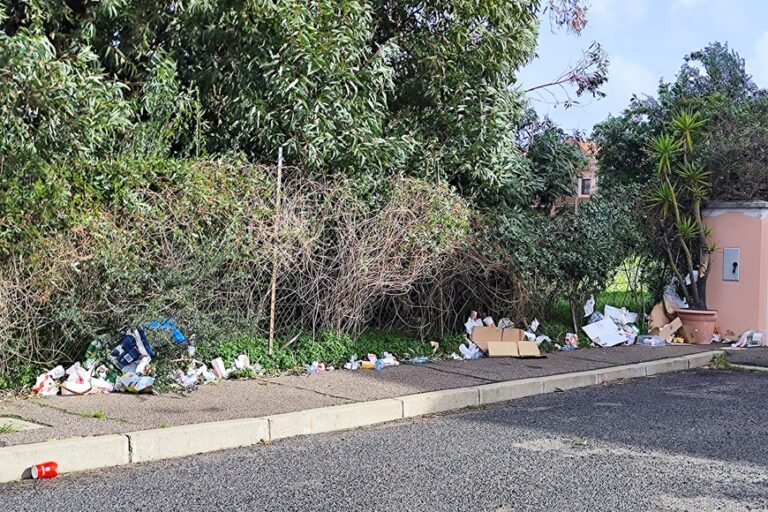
134,383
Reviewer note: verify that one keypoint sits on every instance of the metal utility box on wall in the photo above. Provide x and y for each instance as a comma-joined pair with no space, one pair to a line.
737,286
731,263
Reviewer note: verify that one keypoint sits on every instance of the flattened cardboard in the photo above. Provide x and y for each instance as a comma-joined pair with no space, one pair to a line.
667,332
528,349
481,336
512,334
605,333
658,317
502,349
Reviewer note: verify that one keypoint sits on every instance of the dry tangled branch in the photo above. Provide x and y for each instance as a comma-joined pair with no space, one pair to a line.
201,250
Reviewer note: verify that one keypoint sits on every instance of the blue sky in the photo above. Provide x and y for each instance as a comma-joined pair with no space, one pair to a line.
646,40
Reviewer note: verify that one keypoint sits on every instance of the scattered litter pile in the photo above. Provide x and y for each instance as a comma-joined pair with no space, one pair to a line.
615,326
504,340
128,368
371,362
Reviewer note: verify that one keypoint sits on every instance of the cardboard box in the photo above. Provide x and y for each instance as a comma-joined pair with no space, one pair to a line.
502,349
508,342
658,317
481,336
512,334
513,349
528,349
667,332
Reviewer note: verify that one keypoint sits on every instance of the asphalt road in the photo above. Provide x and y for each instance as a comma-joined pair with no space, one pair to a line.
687,441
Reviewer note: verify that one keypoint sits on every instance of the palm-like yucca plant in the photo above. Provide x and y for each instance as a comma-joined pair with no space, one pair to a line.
683,186
694,176
663,198
664,148
688,228
687,123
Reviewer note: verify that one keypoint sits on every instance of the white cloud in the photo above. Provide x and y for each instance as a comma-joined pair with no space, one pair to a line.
758,65
613,11
685,4
625,78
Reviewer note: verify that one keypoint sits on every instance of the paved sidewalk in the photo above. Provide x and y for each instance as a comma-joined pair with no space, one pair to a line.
66,417
748,356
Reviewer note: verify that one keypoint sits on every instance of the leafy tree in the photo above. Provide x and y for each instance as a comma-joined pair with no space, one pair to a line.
684,185
714,83
365,88
713,70
55,108
589,245
736,150
557,163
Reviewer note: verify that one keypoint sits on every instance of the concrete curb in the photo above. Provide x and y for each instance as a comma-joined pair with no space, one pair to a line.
749,368
86,453
77,454
337,417
509,390
167,443
439,401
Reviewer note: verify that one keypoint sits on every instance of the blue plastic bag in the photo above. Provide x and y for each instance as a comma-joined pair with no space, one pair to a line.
168,325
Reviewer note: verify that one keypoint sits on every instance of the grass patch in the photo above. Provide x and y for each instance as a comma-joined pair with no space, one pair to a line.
720,362
164,425
330,348
245,373
96,415
7,428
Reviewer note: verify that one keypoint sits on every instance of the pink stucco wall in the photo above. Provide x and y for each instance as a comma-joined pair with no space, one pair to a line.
742,305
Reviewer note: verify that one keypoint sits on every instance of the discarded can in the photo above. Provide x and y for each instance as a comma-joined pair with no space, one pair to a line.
45,470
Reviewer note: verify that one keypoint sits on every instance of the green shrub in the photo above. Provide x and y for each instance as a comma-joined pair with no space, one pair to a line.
97,248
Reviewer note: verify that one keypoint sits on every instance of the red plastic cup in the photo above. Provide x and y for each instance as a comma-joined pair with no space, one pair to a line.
45,470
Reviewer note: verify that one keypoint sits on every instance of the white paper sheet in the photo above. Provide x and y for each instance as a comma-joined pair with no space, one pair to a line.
620,315
605,333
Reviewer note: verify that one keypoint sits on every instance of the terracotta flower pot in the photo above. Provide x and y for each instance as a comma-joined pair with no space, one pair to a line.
700,322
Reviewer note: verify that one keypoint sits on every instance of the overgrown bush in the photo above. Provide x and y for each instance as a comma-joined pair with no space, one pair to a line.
409,197
197,240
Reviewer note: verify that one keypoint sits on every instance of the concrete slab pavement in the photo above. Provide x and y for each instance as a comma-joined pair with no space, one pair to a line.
391,382
748,356
230,400
69,416
198,433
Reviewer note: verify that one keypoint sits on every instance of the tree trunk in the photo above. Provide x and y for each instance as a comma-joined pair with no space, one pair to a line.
575,314
701,284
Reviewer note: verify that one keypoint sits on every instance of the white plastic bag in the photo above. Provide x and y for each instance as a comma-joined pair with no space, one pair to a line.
45,385
589,307
78,381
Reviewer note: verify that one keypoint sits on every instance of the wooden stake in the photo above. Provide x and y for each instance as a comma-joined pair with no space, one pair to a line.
274,255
